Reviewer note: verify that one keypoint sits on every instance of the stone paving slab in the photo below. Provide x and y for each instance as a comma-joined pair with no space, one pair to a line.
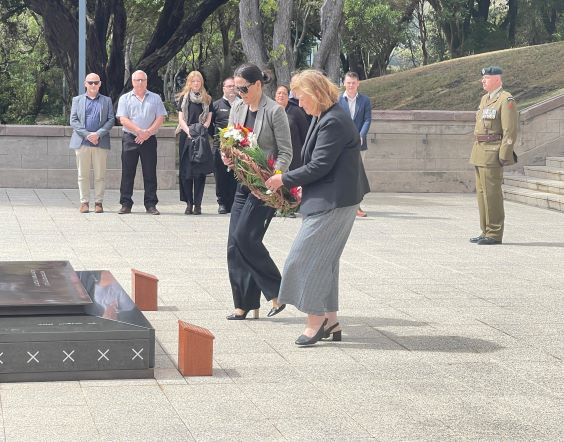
442,340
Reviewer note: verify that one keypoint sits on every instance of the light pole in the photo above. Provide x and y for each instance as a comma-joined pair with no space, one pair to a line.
81,43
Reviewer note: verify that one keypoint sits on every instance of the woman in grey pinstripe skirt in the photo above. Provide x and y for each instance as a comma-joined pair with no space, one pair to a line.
333,183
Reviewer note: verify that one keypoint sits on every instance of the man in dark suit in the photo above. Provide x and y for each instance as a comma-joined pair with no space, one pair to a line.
360,109
225,182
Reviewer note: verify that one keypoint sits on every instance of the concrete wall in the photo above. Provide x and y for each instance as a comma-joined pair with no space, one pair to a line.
408,151
39,157
541,133
428,151
420,151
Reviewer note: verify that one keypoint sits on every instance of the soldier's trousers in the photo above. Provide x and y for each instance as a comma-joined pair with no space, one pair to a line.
490,201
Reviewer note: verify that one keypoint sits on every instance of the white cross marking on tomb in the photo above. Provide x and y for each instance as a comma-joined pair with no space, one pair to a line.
68,355
33,357
103,354
137,354
1,361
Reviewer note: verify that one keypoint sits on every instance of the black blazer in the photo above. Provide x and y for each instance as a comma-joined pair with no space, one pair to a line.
332,174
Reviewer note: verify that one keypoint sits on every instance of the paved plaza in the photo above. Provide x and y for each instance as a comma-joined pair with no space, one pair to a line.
442,339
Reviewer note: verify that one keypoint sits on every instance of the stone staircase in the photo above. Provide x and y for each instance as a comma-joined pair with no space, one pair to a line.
541,186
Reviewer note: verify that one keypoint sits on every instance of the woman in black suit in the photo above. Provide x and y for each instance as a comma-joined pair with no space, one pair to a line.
251,268
333,184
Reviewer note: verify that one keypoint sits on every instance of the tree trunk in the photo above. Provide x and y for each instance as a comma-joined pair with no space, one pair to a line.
228,21
252,33
282,55
127,58
327,56
452,26
423,36
115,69
174,28
483,10
509,24
356,62
190,26
250,23
58,20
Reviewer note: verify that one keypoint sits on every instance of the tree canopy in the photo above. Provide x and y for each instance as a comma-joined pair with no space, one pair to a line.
169,38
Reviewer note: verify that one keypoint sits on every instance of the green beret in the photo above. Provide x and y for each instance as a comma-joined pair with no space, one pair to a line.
492,70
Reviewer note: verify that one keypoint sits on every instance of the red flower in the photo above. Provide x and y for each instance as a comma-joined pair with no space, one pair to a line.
271,161
294,191
245,142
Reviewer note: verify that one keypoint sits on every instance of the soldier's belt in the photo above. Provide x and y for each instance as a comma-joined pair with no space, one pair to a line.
488,138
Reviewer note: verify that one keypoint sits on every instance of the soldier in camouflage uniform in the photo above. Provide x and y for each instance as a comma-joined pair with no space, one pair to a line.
495,133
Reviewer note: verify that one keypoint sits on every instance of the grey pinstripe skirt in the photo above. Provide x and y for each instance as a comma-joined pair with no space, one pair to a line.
310,280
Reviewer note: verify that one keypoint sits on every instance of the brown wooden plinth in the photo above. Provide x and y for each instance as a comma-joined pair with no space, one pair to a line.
195,350
144,290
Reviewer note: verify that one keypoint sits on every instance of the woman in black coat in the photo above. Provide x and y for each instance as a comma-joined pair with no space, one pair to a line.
194,117
298,121
333,183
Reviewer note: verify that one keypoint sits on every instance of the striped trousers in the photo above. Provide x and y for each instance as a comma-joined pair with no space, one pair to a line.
310,280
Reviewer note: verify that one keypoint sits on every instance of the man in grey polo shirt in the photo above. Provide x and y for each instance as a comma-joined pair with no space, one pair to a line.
141,114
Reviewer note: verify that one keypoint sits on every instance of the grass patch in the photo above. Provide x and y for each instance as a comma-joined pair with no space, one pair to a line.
531,74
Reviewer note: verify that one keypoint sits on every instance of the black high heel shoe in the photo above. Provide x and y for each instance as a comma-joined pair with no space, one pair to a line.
337,335
275,310
306,340
236,317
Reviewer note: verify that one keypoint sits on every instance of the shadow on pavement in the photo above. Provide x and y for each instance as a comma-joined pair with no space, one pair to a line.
535,244
406,215
353,337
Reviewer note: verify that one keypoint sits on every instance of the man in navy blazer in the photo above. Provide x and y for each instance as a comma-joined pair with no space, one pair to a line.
91,118
360,109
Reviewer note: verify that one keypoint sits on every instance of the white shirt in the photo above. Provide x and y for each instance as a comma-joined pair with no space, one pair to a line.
352,104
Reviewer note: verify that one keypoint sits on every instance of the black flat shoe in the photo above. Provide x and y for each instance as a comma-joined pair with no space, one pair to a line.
476,239
275,310
188,210
306,340
337,335
488,241
235,317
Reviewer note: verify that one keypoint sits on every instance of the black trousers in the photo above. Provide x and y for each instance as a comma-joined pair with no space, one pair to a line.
225,182
193,189
130,154
251,269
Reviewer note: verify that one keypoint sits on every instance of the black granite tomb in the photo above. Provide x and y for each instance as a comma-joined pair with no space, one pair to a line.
57,324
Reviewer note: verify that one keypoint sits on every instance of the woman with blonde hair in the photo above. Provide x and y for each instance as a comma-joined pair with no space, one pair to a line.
333,184
194,118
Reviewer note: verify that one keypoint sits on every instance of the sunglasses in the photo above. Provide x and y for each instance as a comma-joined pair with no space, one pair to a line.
139,80
93,82
244,89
